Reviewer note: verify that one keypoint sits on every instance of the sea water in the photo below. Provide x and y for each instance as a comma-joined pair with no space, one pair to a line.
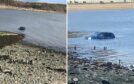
119,22
42,28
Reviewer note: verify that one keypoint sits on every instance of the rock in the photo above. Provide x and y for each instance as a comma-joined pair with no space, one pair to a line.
57,70
93,67
52,55
133,70
7,71
75,80
105,82
43,63
75,66
85,69
71,83
30,62
0,69
109,65
117,66
94,75
4,57
74,72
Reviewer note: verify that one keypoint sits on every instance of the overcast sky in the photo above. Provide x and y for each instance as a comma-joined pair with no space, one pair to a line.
51,1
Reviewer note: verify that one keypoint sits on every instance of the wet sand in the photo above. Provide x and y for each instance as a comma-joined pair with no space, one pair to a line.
101,6
26,64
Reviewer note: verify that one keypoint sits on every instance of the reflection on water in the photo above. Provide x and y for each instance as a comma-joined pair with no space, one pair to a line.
45,29
120,22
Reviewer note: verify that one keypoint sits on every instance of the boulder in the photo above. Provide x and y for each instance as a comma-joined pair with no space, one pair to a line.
105,82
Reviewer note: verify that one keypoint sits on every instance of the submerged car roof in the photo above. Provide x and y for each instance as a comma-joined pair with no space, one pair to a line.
102,32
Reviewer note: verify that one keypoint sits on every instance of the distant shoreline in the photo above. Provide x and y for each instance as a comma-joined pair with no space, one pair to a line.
101,6
27,9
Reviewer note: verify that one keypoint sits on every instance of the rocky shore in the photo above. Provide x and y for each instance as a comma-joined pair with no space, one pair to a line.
25,64
88,71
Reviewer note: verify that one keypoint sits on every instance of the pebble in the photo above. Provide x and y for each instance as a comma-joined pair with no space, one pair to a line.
85,69
7,71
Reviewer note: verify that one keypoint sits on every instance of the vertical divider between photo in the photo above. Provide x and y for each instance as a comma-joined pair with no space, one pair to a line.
66,42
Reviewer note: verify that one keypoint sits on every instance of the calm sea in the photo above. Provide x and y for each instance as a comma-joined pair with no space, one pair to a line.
120,22
42,28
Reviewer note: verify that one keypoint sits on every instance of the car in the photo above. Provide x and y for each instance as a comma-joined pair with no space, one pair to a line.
22,28
102,35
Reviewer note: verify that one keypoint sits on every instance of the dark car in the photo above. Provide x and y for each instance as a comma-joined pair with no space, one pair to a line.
22,28
102,35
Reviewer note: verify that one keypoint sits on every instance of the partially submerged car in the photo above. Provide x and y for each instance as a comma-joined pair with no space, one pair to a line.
102,35
22,28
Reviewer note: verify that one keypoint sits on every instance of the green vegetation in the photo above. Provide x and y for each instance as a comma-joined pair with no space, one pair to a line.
7,1
40,6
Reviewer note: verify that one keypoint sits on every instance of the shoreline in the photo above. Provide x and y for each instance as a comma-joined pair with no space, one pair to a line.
29,64
7,34
95,71
49,49
108,6
2,7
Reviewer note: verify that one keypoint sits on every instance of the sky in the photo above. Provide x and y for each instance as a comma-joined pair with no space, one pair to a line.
50,1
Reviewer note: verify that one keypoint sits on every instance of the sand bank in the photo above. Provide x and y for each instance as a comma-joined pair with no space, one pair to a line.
101,6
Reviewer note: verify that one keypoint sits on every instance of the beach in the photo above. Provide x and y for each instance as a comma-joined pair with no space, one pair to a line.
100,61
107,6
32,61
26,64
93,71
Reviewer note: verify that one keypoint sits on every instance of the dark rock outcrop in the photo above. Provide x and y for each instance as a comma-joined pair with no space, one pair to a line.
105,82
7,38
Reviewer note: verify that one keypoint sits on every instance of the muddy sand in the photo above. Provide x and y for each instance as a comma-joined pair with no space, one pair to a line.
26,64
101,6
